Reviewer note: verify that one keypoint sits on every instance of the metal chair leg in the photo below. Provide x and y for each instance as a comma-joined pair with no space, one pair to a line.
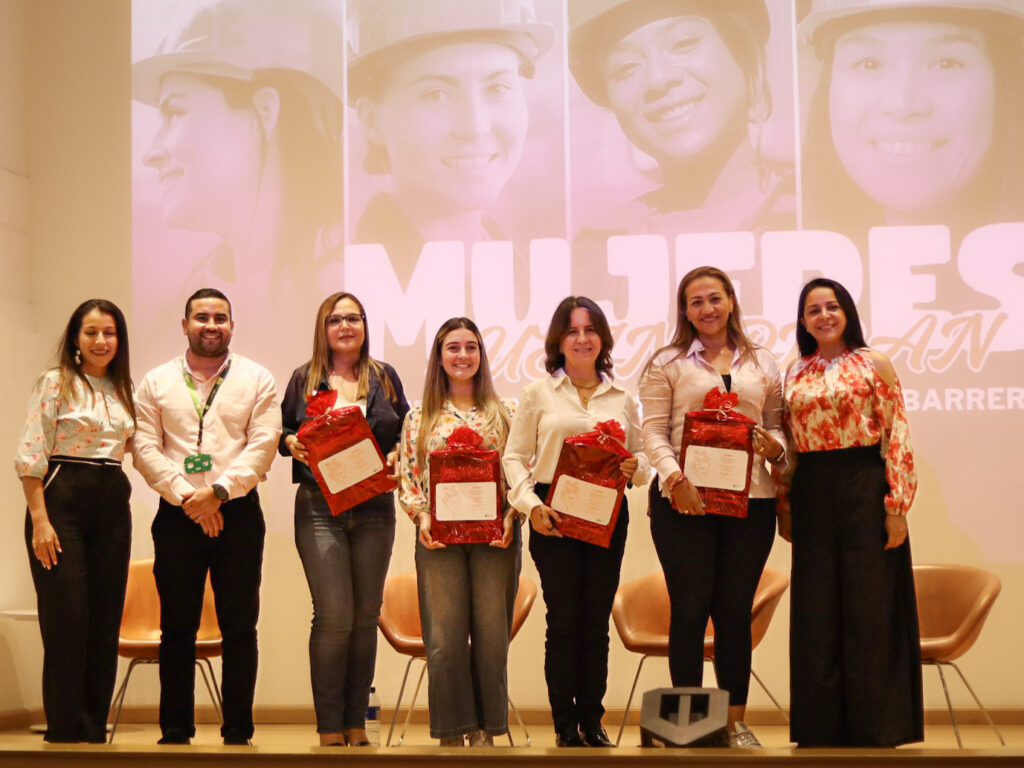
977,701
629,701
412,704
216,688
398,703
949,703
119,698
209,688
765,689
526,732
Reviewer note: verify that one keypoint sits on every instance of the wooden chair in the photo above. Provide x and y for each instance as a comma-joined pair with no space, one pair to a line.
399,622
641,613
139,638
953,602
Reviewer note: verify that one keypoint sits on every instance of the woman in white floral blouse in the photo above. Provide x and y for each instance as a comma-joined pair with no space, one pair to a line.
465,590
78,527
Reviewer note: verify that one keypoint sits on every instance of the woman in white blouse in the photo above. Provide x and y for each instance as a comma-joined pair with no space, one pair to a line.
466,591
78,528
712,562
578,579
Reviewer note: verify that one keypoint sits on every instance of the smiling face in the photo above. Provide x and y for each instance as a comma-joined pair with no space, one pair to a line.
911,107
708,307
207,155
824,318
346,329
675,88
453,120
460,356
97,341
581,344
209,327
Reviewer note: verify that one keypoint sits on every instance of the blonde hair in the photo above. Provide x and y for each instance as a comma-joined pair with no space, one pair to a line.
320,363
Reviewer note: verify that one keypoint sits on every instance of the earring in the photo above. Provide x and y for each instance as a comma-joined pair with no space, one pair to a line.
78,357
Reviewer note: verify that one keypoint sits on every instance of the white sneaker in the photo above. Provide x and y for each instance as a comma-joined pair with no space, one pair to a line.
743,737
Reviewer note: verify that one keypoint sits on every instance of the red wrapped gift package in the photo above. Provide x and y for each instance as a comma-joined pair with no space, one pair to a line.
465,491
718,454
346,461
587,487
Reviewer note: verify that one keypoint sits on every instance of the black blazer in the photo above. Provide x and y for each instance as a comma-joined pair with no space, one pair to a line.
385,417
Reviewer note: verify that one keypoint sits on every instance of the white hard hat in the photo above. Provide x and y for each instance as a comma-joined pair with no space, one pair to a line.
238,38
824,12
379,27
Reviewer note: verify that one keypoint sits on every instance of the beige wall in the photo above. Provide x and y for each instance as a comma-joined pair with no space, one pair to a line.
64,199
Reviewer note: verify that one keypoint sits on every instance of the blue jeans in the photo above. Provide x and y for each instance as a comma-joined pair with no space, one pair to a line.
468,591
345,559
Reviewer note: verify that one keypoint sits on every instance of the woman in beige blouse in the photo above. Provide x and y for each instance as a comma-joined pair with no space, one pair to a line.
78,527
578,579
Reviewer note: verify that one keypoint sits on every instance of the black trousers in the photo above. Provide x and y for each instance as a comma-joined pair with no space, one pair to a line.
80,600
712,565
578,582
855,654
183,556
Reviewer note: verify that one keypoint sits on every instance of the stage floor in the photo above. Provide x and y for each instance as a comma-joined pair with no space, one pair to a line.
297,744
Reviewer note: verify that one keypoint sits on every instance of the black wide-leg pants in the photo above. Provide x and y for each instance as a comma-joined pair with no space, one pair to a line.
80,599
855,654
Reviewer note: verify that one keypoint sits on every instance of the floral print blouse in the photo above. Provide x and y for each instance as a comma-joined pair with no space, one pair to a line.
414,488
845,403
95,425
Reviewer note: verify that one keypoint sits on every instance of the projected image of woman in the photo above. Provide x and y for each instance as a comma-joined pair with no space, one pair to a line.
248,146
439,90
915,115
686,81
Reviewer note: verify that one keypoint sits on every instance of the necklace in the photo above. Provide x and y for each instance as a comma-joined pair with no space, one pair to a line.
585,391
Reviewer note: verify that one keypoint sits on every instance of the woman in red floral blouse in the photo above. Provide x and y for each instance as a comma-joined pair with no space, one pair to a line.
855,662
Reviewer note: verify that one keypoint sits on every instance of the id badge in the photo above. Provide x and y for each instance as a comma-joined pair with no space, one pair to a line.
200,462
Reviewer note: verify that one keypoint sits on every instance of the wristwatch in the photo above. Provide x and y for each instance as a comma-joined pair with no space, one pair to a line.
220,492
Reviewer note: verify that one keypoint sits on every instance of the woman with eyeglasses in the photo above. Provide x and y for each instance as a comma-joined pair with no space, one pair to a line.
345,557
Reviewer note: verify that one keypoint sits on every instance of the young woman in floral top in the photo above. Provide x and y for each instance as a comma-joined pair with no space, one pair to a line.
466,591
855,661
78,529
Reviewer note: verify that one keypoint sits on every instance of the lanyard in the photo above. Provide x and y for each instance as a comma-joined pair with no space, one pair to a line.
201,408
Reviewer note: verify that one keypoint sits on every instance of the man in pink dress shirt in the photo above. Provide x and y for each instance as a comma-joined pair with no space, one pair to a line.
209,422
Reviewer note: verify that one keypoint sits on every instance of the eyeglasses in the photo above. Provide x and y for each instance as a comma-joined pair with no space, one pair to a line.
352,320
